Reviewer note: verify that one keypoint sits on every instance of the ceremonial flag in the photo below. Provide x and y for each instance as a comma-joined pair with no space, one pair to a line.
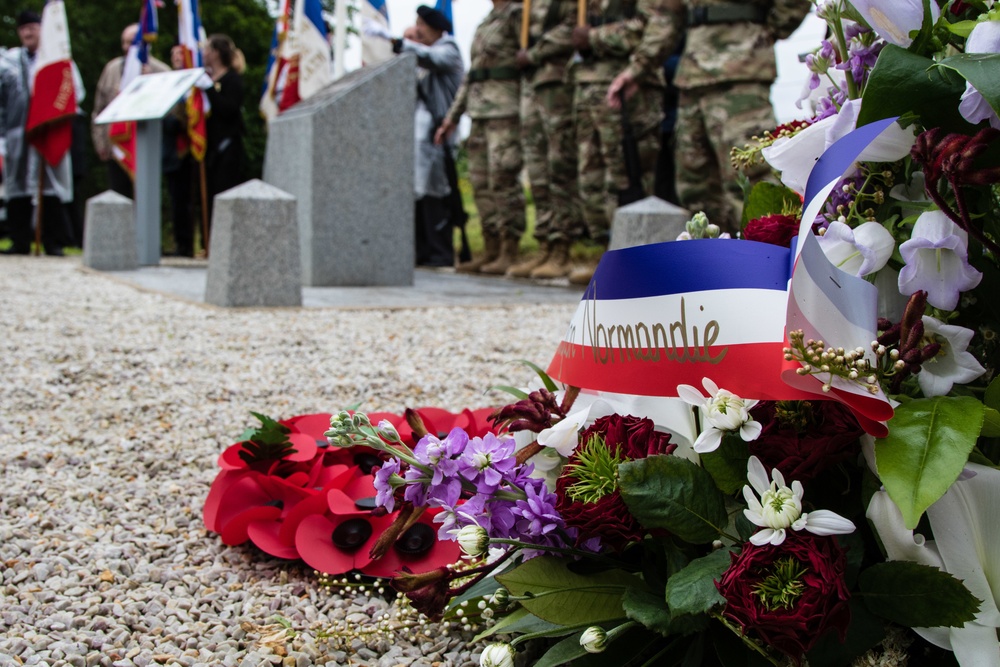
312,48
190,35
375,49
53,95
122,134
661,315
277,63
444,6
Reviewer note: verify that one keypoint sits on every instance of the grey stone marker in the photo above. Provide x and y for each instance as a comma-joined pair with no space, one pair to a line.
255,248
109,233
346,155
649,220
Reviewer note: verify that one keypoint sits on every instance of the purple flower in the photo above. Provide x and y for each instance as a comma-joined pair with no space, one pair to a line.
538,513
383,485
487,460
937,261
985,38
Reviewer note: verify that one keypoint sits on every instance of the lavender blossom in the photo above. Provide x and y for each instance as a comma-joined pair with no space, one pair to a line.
486,460
384,496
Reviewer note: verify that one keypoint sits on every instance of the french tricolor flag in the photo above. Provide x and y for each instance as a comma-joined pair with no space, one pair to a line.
122,134
312,48
53,96
661,315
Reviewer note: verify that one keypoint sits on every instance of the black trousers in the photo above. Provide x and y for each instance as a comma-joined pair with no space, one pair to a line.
434,237
182,206
55,226
119,180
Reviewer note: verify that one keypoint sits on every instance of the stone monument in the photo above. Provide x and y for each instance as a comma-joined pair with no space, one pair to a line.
649,220
255,248
109,242
346,155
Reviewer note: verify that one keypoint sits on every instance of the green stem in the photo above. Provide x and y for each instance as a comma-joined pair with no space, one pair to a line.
857,198
558,550
838,30
746,640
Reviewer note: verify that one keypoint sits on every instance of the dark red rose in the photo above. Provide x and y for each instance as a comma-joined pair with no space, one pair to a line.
804,438
774,229
629,438
815,598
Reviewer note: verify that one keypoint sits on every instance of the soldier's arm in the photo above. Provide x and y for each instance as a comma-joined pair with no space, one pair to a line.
461,100
556,41
617,40
785,16
435,58
664,28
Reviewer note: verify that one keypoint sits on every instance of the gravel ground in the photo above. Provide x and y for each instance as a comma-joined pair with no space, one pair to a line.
115,403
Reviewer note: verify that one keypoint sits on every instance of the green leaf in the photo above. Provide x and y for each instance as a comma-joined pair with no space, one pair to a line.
565,597
543,376
563,651
728,464
931,93
979,69
692,590
768,198
673,493
267,442
917,596
991,423
960,28
644,607
514,391
928,444
507,624
992,397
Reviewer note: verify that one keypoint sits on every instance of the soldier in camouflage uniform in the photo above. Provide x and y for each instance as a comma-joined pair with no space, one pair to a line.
725,78
490,94
548,140
621,35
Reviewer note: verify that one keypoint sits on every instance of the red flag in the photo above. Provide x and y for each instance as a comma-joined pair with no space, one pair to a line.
190,35
53,95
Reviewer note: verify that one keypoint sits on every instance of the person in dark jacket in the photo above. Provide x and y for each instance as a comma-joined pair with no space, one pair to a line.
224,127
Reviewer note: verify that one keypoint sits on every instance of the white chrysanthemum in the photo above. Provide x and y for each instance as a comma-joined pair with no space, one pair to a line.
776,507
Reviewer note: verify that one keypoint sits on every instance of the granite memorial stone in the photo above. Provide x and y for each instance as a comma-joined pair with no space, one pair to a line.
649,220
255,248
109,241
346,155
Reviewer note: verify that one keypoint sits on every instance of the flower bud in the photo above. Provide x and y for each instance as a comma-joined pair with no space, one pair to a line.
473,540
594,639
497,655
500,597
387,431
360,419
712,231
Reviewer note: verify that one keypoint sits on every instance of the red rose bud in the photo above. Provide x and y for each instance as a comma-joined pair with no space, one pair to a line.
788,595
804,438
427,592
589,500
774,229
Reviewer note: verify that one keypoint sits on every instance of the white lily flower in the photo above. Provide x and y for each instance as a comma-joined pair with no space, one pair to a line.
564,435
937,261
893,20
984,38
780,507
952,364
861,251
966,544
723,411
795,156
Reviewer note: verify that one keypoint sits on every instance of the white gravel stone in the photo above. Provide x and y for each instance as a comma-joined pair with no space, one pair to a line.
116,404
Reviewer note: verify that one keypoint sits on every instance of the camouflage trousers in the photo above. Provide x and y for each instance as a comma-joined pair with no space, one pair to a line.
601,167
549,148
710,122
494,148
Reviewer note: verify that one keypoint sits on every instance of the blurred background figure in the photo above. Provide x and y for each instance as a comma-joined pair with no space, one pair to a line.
178,169
224,128
490,95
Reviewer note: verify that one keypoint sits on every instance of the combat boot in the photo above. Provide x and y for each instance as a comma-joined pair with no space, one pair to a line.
524,268
507,258
557,265
491,250
581,275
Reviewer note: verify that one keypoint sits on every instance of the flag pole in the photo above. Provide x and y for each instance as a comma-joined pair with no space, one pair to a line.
339,38
38,208
581,13
525,23
204,207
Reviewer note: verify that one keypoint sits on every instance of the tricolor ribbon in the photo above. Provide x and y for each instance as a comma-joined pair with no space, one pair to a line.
661,315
